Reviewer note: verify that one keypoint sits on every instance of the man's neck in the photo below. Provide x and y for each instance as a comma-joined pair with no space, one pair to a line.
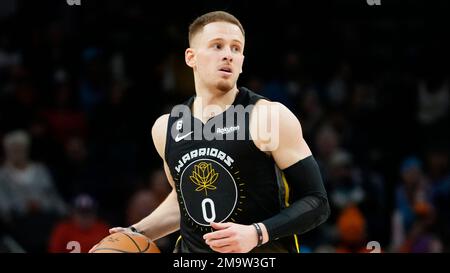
211,103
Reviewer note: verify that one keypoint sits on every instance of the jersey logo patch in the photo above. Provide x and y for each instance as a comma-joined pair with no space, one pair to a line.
204,176
179,137
208,191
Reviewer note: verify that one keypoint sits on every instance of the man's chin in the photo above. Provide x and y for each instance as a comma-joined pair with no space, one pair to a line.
224,86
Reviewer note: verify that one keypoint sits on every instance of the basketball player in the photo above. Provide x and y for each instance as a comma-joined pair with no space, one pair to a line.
231,194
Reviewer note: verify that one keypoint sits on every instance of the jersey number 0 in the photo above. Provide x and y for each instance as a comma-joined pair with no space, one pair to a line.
212,209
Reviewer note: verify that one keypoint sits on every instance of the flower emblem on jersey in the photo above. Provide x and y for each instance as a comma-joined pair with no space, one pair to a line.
204,176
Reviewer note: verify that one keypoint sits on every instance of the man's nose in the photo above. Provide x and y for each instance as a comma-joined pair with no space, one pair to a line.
227,55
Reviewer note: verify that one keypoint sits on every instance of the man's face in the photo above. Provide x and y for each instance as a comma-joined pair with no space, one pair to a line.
216,55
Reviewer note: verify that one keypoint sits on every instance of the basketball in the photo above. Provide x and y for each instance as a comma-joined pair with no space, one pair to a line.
125,242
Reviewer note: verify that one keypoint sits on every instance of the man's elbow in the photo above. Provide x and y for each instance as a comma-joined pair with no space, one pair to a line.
319,212
325,211
321,209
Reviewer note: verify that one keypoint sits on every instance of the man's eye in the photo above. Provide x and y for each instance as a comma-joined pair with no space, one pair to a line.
236,49
217,46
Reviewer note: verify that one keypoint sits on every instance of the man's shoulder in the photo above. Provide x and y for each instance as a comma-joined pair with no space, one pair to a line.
159,130
265,102
160,124
265,106
162,119
274,114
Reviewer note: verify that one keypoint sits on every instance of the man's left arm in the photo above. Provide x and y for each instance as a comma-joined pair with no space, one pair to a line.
309,205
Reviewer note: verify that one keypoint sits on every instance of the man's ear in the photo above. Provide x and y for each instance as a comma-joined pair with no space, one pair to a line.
189,57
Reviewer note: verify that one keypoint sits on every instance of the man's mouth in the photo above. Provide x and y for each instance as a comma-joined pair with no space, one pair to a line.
226,70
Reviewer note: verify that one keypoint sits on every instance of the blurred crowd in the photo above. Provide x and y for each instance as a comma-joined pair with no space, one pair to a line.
80,88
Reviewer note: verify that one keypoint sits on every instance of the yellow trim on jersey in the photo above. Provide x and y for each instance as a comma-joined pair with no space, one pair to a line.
286,190
286,202
179,238
297,246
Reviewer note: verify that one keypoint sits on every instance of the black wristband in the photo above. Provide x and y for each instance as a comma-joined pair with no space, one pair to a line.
259,233
135,230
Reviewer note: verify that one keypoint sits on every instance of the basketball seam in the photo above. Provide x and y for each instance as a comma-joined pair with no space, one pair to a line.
108,248
147,247
139,249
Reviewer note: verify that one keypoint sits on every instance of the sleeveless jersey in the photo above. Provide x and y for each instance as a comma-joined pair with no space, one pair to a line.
220,175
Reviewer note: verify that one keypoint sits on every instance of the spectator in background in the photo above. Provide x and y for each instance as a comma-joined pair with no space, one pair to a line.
352,234
345,188
439,174
27,186
433,98
327,142
83,227
413,215
349,184
27,194
337,91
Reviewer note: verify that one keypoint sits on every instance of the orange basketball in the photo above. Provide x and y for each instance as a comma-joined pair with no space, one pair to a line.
125,242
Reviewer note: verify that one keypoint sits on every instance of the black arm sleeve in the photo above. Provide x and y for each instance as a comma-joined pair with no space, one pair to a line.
310,206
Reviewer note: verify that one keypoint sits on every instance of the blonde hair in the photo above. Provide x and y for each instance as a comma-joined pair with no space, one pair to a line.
211,17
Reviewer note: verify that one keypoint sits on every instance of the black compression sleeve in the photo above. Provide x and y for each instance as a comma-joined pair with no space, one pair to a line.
310,204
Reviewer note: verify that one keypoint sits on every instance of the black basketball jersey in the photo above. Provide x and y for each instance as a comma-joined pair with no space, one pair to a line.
220,175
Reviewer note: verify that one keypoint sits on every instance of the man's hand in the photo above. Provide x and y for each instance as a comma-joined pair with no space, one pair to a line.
231,238
114,230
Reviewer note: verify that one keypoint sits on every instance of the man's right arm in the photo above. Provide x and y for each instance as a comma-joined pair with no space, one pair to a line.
166,218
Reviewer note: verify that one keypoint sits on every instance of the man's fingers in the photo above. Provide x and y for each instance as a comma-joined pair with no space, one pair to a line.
224,233
117,229
221,225
224,249
219,242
